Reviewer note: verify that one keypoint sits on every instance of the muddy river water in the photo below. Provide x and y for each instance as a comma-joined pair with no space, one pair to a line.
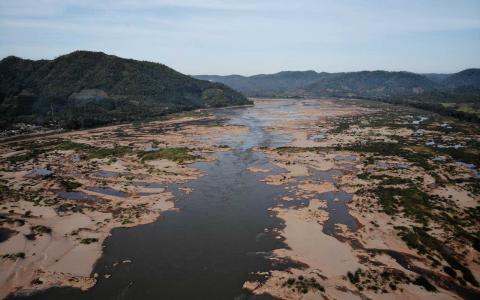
221,233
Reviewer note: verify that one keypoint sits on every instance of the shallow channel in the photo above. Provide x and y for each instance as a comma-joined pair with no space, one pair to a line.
217,239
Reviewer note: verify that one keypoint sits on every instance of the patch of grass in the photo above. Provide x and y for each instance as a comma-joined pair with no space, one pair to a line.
214,123
411,201
32,154
391,180
69,145
118,151
194,113
385,179
290,149
466,155
37,148
392,149
179,154
90,151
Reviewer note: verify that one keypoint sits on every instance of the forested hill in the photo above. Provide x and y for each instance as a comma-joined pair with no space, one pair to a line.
465,78
370,84
267,84
84,89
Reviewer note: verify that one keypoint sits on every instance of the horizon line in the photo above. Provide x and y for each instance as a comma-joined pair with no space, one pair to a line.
248,75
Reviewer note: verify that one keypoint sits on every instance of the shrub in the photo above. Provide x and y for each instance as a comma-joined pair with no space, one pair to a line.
41,229
450,271
87,241
422,281
70,185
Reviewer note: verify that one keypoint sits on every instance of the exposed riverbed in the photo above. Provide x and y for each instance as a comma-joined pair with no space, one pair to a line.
222,234
269,200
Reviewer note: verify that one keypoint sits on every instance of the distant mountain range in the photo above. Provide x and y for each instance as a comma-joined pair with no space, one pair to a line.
370,84
85,89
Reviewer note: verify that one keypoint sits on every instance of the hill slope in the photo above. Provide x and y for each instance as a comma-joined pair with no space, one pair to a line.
370,84
267,84
312,84
465,78
84,89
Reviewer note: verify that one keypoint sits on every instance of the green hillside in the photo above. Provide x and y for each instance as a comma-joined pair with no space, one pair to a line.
85,89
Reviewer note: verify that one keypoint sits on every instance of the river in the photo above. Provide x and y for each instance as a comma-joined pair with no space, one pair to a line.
220,236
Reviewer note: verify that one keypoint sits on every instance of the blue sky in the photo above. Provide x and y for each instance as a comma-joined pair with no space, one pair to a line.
252,36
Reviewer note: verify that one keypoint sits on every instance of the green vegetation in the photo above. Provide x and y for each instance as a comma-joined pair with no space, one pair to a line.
116,151
194,113
450,271
291,149
418,238
469,156
363,176
461,103
422,281
87,241
392,149
398,195
413,202
312,84
86,89
303,285
377,281
340,127
354,277
89,151
41,229
70,185
24,157
460,91
69,145
14,256
384,179
175,154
